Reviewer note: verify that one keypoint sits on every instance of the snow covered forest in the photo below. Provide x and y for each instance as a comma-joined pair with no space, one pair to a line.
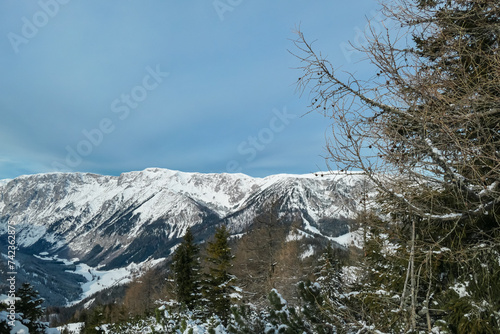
425,132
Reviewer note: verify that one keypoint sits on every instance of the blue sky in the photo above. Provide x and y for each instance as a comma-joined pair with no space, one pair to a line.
201,86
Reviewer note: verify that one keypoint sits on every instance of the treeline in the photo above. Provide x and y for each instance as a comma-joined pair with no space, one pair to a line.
425,132
211,278
252,284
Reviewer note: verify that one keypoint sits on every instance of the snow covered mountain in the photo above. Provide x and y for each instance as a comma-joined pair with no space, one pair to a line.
110,222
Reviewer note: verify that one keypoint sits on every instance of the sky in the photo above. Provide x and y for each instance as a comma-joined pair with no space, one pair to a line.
199,86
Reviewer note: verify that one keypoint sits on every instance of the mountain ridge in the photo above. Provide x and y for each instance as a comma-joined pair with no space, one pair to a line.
112,221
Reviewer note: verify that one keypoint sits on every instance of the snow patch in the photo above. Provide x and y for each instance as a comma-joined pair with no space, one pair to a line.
55,258
350,274
18,265
297,234
307,253
461,289
98,280
74,328
89,303
354,238
3,182
310,228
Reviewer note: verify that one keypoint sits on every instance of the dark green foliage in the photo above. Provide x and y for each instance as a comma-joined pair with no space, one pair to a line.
217,286
284,318
247,320
100,315
30,305
328,274
323,302
186,269
93,321
468,37
65,331
317,308
472,303
4,327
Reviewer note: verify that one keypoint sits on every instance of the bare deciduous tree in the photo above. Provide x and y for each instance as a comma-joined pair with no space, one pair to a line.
425,129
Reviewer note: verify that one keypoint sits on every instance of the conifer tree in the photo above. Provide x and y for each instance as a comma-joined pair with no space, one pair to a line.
217,287
30,305
426,131
93,321
186,268
284,318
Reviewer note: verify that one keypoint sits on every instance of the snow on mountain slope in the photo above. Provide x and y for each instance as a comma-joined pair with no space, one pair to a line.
80,203
64,209
311,198
113,221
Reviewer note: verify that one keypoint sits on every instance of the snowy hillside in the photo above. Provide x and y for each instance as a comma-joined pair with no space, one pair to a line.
110,222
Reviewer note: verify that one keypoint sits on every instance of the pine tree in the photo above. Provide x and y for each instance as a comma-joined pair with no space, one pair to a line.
326,305
186,268
217,287
458,92
93,321
284,318
30,305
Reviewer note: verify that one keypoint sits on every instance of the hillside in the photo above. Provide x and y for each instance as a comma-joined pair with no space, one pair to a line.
73,228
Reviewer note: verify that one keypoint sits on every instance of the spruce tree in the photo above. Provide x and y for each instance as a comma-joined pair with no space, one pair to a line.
284,318
217,287
186,268
325,299
425,130
30,305
93,321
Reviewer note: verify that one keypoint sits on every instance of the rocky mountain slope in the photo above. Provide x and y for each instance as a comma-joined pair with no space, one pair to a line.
110,222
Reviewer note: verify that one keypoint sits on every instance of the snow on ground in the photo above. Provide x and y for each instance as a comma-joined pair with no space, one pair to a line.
27,235
461,289
56,258
98,280
18,265
297,235
4,182
354,238
308,252
72,328
310,228
89,303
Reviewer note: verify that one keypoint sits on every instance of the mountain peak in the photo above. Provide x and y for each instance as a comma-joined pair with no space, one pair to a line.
112,221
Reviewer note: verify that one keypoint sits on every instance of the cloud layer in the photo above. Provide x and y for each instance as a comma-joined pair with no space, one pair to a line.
114,86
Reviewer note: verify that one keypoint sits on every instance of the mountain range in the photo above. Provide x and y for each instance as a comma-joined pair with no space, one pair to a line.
73,230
